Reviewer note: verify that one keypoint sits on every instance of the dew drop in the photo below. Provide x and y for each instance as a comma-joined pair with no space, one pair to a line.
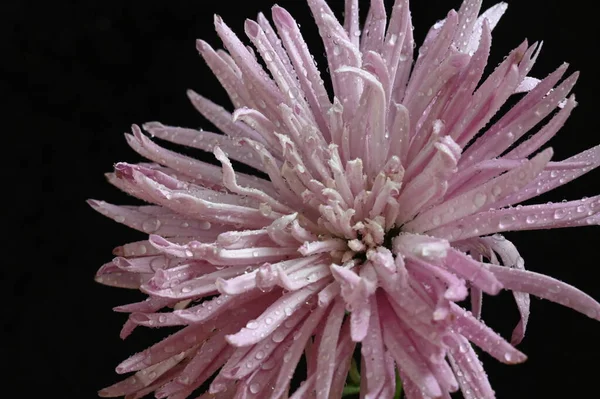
559,214
480,199
506,221
204,225
278,336
252,325
268,365
255,387
119,219
457,232
151,225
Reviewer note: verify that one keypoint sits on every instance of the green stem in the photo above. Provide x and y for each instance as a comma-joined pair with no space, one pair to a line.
398,393
353,374
351,390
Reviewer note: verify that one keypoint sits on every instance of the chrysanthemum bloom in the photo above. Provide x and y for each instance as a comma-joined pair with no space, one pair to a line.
381,211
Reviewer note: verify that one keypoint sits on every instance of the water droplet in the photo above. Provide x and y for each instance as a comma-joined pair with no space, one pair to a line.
204,225
260,355
508,356
268,320
268,365
559,214
119,219
480,199
278,336
255,387
151,225
288,324
457,232
506,221
437,220
252,325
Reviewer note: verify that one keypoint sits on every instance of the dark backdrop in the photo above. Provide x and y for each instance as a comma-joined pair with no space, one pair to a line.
77,74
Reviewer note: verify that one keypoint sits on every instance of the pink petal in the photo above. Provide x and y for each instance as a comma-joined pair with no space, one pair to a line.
547,288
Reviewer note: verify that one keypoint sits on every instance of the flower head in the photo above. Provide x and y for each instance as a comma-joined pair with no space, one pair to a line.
378,212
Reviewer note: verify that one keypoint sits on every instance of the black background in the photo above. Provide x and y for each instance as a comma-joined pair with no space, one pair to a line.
76,75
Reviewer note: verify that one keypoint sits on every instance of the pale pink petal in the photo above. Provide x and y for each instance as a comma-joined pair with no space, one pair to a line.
547,288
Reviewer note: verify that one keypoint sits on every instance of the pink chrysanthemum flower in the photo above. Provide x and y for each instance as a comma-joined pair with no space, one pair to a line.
380,212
